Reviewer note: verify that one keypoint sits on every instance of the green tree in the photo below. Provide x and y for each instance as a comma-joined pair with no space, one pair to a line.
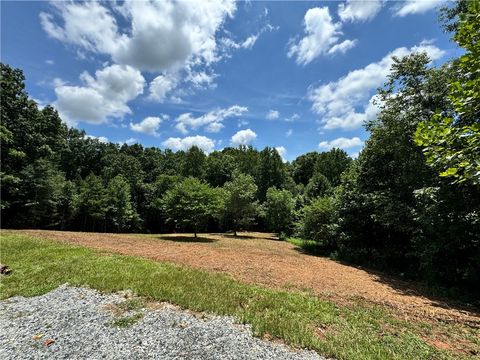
318,222
92,203
279,207
304,167
240,205
219,168
271,172
332,164
120,210
191,203
452,143
194,163
318,186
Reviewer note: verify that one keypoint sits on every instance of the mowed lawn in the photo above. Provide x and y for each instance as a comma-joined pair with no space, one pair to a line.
307,301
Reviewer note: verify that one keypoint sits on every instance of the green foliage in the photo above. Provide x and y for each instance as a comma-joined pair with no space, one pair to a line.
239,201
279,208
120,210
452,144
317,186
318,223
190,204
271,172
92,203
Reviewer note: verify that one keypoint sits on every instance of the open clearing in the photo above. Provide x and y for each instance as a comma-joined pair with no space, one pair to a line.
306,301
257,258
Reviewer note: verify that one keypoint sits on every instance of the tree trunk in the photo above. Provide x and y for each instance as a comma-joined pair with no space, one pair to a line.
195,235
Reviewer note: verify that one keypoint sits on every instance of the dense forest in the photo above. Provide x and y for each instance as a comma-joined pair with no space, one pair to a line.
409,204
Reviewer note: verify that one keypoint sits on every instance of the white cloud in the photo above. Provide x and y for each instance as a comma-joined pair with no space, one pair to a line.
338,102
243,137
289,133
50,62
343,47
131,141
204,143
161,86
272,115
213,120
322,34
409,7
149,126
201,79
357,11
158,35
102,97
292,118
250,41
282,152
341,143
102,139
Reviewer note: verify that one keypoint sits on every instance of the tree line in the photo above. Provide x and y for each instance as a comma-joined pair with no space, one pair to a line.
410,203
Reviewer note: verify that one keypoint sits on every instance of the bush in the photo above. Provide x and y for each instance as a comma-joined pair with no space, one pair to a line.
317,222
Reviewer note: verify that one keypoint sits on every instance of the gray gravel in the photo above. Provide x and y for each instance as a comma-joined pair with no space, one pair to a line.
82,324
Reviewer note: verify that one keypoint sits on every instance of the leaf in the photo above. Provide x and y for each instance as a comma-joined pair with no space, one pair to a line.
48,342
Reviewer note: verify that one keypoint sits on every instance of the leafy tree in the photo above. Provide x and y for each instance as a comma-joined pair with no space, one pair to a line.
304,167
92,203
452,143
219,168
120,210
318,186
191,203
332,164
271,172
317,222
194,163
279,208
240,205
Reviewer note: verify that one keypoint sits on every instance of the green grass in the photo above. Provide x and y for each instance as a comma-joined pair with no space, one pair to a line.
309,246
127,321
360,331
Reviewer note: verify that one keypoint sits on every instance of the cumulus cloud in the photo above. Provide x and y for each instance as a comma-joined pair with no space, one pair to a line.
161,86
357,11
410,7
338,102
101,97
243,137
203,142
149,126
102,139
272,115
322,35
282,152
212,121
158,35
341,143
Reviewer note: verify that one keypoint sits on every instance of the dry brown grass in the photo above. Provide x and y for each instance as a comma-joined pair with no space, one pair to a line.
258,258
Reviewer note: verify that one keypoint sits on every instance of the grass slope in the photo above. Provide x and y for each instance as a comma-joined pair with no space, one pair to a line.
359,331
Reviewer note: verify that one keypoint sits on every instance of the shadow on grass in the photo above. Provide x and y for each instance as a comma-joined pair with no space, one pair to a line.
439,297
183,238
246,237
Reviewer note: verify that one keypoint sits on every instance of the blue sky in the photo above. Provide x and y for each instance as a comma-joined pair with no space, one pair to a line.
298,76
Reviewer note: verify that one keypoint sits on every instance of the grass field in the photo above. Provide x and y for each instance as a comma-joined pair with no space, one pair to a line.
353,329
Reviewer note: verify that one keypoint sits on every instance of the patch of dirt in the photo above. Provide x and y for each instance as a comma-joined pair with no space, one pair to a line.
257,258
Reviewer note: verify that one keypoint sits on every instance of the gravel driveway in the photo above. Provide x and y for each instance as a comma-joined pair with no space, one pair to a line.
85,324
